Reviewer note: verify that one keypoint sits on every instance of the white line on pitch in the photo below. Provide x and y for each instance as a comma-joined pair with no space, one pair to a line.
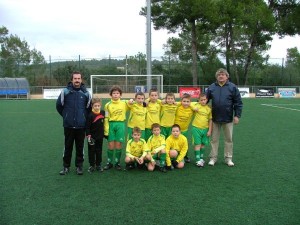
280,107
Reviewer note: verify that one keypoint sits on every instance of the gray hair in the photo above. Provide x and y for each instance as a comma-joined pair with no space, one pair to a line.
222,70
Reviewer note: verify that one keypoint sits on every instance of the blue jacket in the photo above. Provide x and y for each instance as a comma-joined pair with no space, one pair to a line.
226,102
73,104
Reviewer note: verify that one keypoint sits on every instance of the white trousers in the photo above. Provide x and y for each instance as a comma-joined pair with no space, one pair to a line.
215,138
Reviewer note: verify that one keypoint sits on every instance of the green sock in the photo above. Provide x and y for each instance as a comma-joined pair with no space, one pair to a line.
110,155
201,153
118,155
162,159
197,155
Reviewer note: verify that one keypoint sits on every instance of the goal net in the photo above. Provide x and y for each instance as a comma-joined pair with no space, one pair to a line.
130,84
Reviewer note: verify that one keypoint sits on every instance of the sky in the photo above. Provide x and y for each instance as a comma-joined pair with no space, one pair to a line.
66,29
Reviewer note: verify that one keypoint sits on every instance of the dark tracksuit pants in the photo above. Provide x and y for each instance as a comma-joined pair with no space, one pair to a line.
95,153
71,136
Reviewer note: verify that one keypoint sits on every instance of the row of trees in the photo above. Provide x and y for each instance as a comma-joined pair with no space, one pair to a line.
211,34
237,30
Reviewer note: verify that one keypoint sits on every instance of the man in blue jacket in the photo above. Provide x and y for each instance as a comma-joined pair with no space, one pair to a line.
73,104
226,110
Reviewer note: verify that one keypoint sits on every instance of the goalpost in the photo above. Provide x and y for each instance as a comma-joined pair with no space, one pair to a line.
130,84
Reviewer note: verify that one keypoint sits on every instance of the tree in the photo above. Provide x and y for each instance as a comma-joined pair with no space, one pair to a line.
287,14
17,59
183,16
293,67
243,35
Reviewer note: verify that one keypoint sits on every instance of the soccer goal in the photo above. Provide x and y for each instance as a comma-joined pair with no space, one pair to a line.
130,84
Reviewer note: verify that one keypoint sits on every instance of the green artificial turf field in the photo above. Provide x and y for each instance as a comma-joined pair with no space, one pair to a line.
262,188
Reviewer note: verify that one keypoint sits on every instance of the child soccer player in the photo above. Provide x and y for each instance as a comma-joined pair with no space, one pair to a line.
183,117
115,116
153,112
201,128
137,151
137,114
176,148
167,117
157,145
94,134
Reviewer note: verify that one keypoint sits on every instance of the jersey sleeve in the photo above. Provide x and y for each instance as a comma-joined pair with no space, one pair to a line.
183,150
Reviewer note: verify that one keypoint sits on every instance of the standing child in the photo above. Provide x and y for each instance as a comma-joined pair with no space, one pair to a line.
176,148
157,145
183,117
153,112
94,134
115,116
167,115
137,114
137,151
201,128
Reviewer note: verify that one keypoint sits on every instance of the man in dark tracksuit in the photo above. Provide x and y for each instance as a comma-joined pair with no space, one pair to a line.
226,110
73,104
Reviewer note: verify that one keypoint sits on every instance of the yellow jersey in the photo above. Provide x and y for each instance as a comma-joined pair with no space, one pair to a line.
179,144
153,113
183,117
137,116
202,116
137,148
167,115
156,143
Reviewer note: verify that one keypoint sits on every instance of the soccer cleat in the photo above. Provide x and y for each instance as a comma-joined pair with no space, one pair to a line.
91,169
187,159
230,163
129,166
108,166
118,166
211,162
99,168
79,170
200,163
163,169
64,171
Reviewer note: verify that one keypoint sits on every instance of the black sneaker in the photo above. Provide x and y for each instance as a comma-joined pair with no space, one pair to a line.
91,169
64,171
79,170
129,166
108,166
187,159
118,166
163,169
99,168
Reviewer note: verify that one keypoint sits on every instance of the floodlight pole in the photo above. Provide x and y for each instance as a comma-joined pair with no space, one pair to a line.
126,72
149,57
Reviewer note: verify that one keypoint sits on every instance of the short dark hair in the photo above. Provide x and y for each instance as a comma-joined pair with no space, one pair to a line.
139,93
176,125
170,94
75,72
202,95
155,125
154,89
96,100
186,95
136,130
115,88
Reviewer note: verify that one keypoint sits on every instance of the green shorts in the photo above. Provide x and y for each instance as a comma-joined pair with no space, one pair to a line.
200,136
129,133
166,131
148,133
116,131
185,133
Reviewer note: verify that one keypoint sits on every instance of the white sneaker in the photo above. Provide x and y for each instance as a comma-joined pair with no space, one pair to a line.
211,162
200,163
230,163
